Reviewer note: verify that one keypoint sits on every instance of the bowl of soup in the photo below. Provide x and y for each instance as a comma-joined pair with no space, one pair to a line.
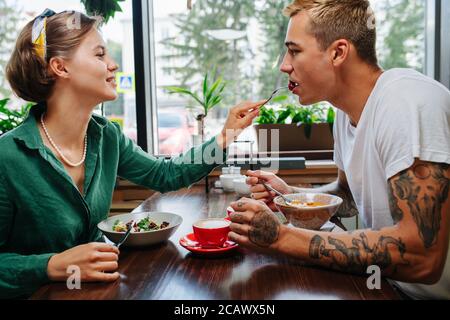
308,210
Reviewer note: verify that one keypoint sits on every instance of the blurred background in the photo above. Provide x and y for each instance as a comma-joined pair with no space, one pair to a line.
241,42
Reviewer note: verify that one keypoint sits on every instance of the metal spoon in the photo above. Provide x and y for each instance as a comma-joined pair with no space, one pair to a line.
286,200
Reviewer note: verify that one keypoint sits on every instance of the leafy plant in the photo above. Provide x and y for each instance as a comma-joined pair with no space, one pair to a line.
9,118
211,95
106,8
299,115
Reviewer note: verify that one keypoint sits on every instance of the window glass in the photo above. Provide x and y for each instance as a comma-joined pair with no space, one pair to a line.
117,33
243,42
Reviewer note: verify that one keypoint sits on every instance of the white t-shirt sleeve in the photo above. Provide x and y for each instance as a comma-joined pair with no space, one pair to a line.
406,129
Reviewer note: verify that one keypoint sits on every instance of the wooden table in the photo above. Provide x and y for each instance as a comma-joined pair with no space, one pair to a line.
169,271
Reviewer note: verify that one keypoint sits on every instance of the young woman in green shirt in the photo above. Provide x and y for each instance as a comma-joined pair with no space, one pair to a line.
58,169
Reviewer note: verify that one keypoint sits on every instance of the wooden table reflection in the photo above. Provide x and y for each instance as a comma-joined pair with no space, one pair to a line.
168,271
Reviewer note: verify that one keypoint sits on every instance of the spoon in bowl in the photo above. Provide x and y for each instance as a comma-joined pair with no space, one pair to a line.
286,200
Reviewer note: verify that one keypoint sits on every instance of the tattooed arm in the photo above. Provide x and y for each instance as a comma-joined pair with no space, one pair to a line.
339,188
413,250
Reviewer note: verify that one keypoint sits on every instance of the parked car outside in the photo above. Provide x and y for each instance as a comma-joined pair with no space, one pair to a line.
174,131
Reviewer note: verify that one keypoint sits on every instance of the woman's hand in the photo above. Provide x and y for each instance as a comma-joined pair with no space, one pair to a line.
239,118
98,262
259,192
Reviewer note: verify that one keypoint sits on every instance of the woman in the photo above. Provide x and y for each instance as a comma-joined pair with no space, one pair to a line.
58,169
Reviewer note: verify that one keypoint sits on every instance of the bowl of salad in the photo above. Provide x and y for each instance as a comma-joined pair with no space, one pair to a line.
148,228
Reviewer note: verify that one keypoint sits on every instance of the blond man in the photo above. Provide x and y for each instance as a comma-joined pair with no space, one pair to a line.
392,148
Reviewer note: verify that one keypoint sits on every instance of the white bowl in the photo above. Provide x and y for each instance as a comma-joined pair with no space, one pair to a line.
312,218
241,187
138,239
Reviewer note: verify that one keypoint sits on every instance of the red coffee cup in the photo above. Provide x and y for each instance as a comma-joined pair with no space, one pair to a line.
230,211
212,232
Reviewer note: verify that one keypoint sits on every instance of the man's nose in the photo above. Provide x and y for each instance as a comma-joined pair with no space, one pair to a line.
286,66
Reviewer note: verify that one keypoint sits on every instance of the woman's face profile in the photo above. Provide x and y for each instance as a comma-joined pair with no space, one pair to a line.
91,71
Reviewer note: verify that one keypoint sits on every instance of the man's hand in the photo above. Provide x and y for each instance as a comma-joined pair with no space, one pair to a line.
259,192
254,225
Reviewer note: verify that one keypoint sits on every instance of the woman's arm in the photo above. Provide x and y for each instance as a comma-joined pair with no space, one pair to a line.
20,275
169,175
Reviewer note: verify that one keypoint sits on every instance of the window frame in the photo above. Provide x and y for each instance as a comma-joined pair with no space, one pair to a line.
436,66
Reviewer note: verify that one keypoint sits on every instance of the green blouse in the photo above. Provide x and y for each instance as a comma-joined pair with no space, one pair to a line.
43,213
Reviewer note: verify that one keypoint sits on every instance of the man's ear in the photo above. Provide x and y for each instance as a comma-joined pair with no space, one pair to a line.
58,68
340,50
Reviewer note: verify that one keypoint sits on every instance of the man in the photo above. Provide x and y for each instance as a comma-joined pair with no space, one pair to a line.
392,148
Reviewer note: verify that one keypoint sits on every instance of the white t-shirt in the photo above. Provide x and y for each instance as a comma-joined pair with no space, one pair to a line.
407,116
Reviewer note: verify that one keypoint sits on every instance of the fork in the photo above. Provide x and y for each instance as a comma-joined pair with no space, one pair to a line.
121,242
125,237
273,94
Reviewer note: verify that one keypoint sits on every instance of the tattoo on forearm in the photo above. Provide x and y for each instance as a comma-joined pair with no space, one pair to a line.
264,229
357,257
425,189
348,208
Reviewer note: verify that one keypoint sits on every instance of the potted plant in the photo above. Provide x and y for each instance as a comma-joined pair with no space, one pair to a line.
106,8
300,128
206,100
10,118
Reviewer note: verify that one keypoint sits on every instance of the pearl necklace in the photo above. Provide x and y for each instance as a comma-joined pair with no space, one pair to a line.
59,150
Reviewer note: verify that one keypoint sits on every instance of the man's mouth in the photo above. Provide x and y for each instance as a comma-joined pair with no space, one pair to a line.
293,85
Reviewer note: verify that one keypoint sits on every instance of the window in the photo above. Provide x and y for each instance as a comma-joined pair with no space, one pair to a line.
401,33
117,33
243,41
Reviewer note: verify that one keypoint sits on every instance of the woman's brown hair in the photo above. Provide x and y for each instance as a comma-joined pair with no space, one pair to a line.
27,73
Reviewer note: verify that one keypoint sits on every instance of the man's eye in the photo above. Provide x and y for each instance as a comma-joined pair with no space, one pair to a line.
294,52
101,55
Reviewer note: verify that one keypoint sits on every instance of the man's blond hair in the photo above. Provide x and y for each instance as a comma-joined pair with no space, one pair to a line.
332,20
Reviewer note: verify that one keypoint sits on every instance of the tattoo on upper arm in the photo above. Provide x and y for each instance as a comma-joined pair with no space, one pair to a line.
396,212
425,188
357,257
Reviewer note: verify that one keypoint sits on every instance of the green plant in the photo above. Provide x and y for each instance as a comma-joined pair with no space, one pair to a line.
106,8
9,118
211,95
300,115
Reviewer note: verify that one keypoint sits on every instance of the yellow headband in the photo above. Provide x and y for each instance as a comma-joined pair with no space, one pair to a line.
39,33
